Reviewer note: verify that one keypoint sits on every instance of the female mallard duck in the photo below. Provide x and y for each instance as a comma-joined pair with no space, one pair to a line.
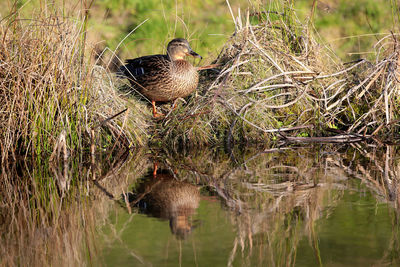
162,196
164,77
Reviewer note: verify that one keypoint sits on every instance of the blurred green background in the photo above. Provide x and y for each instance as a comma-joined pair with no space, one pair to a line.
349,27
207,24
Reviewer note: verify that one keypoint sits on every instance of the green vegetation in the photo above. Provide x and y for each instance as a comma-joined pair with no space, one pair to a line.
206,22
351,28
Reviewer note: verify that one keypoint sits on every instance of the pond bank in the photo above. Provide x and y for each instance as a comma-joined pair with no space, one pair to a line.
275,80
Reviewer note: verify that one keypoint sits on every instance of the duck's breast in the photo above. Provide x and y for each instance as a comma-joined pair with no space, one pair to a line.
185,78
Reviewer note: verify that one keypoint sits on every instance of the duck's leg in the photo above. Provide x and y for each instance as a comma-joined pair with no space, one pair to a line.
176,102
155,167
174,105
155,114
153,103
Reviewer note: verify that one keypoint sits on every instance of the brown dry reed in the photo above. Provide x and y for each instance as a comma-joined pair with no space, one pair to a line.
51,90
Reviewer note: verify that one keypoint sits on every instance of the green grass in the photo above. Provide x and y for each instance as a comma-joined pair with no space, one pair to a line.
351,27
206,24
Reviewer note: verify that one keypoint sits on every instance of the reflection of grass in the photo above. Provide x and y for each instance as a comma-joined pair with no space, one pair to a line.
49,210
41,218
281,197
297,204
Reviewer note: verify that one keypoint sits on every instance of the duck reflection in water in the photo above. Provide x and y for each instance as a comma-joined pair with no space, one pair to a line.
163,196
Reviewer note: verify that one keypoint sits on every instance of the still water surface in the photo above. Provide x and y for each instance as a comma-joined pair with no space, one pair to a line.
293,206
298,206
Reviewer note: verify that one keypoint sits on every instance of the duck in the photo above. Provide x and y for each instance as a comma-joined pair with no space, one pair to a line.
162,196
165,78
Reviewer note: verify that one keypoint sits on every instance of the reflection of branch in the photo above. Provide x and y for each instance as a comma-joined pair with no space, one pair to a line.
370,183
342,138
229,201
62,176
146,192
117,235
120,159
233,252
384,188
102,189
224,192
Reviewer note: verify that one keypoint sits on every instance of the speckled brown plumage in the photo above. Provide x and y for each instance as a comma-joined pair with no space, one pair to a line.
164,77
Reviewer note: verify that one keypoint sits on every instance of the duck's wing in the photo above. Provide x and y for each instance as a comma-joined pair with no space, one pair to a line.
145,66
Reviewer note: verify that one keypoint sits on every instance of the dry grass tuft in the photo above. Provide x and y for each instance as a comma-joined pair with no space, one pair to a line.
49,87
276,77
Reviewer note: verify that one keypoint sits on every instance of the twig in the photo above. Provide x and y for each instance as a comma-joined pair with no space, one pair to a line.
344,138
109,118
340,72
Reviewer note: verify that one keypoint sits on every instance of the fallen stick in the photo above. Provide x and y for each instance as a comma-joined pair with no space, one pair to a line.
342,138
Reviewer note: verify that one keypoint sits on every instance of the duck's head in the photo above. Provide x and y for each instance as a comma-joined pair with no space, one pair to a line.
179,48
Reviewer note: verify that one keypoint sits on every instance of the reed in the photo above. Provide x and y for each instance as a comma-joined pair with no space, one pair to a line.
49,88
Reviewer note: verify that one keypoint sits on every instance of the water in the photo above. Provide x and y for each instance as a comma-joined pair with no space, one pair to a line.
365,240
297,206
302,207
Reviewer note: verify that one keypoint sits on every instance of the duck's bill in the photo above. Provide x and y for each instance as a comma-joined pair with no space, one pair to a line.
194,54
